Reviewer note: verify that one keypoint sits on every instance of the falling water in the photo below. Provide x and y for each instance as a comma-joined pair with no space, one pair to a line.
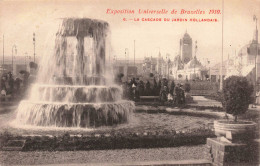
72,89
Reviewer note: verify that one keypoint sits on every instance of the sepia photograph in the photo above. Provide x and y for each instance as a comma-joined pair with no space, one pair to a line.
132,82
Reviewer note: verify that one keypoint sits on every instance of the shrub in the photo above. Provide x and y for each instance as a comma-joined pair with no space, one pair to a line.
236,95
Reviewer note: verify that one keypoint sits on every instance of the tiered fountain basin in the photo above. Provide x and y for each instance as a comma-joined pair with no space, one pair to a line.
57,114
76,93
74,106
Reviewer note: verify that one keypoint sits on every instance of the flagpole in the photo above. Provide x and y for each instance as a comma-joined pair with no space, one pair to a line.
221,68
3,51
134,52
34,47
256,56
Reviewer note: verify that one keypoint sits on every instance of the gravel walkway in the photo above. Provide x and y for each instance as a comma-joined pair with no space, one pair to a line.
102,156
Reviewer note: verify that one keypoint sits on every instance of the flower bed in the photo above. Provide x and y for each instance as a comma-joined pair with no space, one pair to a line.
116,140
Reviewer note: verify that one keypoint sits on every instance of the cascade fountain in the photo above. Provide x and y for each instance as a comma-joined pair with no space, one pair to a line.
73,87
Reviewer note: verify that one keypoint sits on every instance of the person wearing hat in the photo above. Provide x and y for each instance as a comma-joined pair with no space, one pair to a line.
133,81
148,88
9,84
2,83
3,88
140,87
177,95
163,94
136,95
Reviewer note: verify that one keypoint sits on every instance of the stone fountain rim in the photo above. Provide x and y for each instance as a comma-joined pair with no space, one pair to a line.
70,103
75,86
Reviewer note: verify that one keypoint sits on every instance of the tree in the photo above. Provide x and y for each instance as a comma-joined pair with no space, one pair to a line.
236,95
33,65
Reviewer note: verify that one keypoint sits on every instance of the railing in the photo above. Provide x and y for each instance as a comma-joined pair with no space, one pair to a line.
149,98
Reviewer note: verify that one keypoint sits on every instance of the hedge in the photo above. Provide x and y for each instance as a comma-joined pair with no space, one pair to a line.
116,140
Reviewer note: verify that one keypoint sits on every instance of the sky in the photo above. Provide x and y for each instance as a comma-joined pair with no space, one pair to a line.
20,19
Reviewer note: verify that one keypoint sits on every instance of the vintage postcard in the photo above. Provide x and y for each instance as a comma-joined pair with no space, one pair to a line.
133,82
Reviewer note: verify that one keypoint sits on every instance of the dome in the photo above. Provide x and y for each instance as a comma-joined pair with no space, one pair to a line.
186,35
249,49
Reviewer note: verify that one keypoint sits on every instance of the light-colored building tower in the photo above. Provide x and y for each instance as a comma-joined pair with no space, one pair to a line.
186,48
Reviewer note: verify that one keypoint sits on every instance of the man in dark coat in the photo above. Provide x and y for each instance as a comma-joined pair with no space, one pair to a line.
9,84
177,95
140,88
163,94
182,95
148,88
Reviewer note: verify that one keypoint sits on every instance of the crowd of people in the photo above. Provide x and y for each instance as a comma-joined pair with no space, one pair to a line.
167,90
13,88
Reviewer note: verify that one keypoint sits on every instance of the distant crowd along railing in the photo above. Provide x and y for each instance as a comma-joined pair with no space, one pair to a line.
202,87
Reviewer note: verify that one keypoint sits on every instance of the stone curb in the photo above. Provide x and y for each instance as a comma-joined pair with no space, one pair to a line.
179,111
148,163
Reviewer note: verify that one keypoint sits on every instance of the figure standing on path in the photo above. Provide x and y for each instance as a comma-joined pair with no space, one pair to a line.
163,94
257,98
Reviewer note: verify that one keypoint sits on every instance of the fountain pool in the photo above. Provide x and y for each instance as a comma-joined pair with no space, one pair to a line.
74,88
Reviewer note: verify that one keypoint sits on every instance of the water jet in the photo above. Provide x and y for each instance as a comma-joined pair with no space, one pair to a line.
73,91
